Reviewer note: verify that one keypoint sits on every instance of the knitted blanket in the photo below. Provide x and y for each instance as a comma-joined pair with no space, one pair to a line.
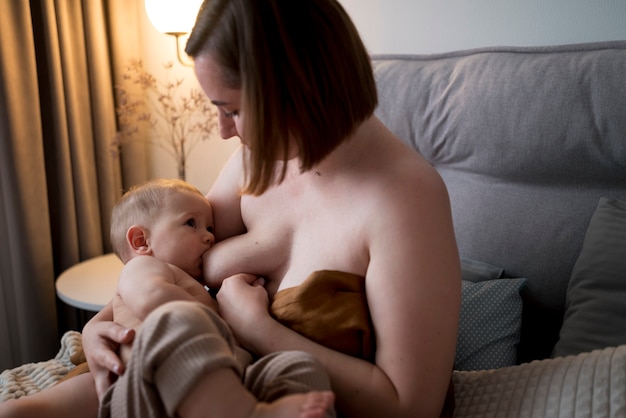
33,377
586,385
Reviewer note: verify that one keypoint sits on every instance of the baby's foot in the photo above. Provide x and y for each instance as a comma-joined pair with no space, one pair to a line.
317,404
305,405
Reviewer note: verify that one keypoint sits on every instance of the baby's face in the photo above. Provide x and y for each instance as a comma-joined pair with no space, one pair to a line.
183,232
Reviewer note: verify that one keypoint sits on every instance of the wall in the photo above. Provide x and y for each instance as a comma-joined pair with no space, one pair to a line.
430,26
415,26
208,156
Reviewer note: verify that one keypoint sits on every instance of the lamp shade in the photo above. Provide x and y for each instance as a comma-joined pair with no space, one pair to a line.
173,16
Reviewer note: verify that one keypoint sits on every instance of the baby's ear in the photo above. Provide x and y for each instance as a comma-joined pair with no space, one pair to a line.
137,240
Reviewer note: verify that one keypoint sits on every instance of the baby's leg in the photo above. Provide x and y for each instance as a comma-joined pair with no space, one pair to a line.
279,374
306,405
72,397
183,363
178,345
221,394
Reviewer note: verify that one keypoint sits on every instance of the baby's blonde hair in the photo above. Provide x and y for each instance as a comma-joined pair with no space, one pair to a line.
141,205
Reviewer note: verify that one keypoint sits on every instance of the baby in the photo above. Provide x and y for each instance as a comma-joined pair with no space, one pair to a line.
160,230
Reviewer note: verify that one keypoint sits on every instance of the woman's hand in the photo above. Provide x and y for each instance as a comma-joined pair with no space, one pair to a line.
243,301
101,341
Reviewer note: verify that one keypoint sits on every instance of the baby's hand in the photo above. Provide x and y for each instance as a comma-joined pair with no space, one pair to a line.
253,280
243,301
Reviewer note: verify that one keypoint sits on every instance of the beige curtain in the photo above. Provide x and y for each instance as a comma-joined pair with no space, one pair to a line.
58,178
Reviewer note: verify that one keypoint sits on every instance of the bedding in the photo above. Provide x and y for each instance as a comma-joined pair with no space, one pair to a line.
33,377
585,385
562,387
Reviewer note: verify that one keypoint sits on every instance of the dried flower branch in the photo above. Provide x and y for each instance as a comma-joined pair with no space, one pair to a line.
180,120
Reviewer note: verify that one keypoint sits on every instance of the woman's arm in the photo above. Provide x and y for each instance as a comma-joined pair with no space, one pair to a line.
413,288
225,198
101,338
413,285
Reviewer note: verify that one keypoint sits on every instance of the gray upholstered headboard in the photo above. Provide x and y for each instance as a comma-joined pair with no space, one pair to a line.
527,141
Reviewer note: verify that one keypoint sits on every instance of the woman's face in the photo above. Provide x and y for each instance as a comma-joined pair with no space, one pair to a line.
227,100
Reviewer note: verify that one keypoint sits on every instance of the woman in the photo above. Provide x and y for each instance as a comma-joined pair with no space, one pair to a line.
319,185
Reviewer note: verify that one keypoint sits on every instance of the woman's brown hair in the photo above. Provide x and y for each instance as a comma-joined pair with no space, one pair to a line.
304,72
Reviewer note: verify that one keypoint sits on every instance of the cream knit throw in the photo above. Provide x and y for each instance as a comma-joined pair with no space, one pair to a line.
33,377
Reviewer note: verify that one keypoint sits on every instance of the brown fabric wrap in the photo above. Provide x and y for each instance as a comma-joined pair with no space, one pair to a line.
330,308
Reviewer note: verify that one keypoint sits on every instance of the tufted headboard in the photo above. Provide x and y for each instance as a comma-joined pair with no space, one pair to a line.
527,140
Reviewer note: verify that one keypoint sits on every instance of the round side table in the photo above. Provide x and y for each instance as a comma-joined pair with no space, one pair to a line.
90,284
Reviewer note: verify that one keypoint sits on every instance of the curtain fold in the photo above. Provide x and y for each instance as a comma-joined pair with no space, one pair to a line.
58,178
26,260
78,127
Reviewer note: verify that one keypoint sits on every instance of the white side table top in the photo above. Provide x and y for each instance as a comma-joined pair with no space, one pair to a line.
90,284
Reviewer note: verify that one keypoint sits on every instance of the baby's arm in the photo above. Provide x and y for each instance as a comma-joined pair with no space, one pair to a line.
146,283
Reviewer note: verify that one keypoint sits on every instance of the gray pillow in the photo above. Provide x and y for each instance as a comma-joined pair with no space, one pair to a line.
490,324
595,311
478,271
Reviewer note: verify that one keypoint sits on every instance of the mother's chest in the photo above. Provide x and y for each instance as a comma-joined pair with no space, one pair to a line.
307,235
295,220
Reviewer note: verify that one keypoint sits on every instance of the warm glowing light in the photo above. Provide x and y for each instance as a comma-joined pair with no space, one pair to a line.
173,16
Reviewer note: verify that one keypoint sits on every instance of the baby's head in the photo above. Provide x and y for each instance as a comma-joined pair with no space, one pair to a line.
148,204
